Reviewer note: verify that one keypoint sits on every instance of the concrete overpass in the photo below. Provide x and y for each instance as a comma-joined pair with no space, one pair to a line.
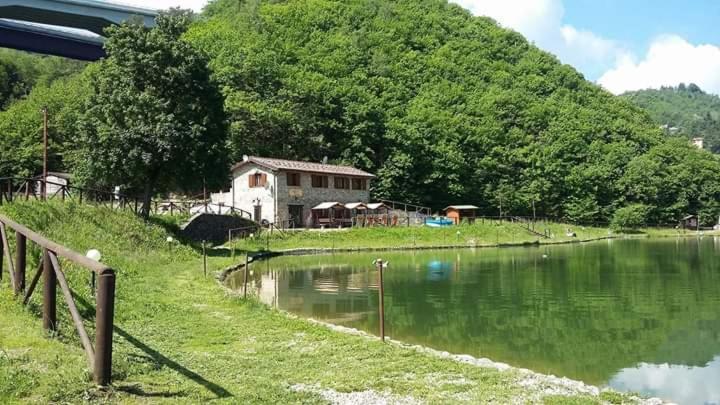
69,28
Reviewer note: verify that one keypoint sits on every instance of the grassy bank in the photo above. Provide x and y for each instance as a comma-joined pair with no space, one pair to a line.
178,337
486,233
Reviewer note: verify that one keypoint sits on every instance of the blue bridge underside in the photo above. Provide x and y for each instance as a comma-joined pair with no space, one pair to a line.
68,28
47,42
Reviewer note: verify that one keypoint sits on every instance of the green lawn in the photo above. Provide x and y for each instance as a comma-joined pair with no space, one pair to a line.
180,337
485,233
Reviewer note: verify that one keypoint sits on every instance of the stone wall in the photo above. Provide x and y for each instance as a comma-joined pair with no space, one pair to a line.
213,228
309,196
276,196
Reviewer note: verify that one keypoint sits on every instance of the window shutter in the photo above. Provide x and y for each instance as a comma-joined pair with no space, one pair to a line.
251,180
325,181
263,179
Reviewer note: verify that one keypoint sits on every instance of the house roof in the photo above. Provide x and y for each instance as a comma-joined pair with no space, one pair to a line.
461,207
300,166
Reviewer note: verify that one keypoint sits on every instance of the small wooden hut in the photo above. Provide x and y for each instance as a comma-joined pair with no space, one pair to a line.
329,214
689,222
458,213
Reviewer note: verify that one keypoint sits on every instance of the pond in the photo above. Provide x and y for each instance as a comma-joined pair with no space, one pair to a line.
639,315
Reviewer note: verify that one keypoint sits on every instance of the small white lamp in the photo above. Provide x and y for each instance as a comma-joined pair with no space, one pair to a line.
93,254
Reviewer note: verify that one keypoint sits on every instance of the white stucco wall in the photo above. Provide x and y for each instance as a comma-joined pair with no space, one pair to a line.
247,197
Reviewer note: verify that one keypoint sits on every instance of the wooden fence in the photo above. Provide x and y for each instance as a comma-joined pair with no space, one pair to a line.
20,188
100,356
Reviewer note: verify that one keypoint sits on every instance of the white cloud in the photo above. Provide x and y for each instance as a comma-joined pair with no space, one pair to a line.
669,61
681,384
532,18
196,5
541,21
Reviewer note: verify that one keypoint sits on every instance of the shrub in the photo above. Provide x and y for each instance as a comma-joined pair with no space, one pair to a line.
631,217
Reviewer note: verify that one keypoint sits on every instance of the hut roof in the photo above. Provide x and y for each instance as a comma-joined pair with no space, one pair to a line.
328,205
375,206
356,206
461,207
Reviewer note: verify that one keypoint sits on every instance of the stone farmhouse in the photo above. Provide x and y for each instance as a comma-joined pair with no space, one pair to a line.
285,191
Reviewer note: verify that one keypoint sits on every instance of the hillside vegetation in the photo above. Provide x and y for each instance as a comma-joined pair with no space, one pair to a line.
444,107
683,110
21,71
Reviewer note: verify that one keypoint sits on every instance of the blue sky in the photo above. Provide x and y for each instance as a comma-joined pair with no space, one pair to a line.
620,44
638,22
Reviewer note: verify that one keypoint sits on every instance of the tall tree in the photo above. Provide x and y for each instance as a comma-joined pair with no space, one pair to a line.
155,121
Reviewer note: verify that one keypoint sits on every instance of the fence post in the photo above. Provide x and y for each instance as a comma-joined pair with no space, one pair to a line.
2,253
21,245
204,259
104,311
245,276
49,294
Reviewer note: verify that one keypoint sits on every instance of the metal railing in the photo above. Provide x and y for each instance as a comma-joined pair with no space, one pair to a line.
99,357
407,207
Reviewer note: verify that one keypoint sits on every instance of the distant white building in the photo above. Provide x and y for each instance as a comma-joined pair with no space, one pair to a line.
57,183
282,191
698,143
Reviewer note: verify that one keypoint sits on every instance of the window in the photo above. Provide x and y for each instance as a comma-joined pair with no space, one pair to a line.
257,180
319,181
342,183
293,179
359,184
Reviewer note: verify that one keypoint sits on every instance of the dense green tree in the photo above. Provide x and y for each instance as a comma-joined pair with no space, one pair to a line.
22,123
155,119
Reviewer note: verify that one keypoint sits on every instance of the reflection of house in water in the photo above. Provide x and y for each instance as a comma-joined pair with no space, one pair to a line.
329,293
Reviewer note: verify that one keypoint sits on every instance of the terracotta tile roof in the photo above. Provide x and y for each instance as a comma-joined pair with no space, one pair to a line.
461,207
300,166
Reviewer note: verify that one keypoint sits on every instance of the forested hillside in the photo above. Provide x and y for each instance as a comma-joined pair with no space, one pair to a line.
444,107
21,71
685,110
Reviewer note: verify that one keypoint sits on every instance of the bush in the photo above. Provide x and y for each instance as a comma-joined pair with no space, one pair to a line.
631,217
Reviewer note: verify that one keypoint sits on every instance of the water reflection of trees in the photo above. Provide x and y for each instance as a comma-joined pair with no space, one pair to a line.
583,312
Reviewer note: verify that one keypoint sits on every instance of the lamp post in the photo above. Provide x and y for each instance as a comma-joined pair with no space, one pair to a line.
381,293
93,254
169,241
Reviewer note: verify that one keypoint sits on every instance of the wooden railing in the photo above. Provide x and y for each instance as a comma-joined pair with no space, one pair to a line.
100,356
14,188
